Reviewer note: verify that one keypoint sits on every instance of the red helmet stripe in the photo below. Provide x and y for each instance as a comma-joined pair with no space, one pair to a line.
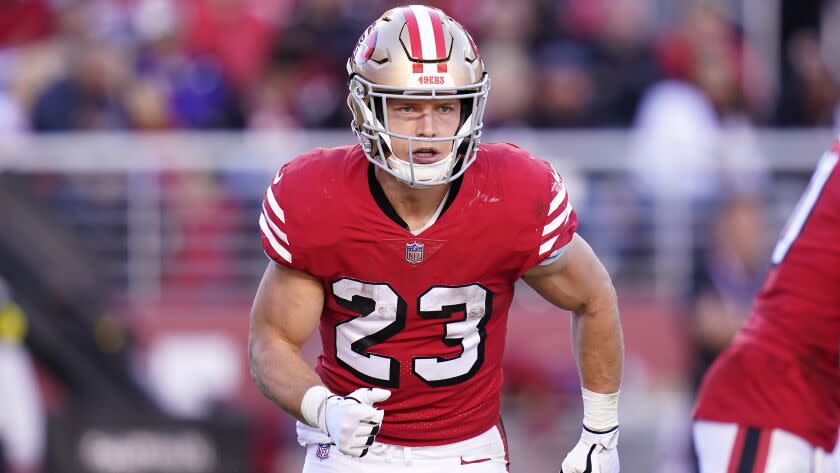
440,41
414,38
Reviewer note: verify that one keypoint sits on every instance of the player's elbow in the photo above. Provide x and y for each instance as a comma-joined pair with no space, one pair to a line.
256,348
602,303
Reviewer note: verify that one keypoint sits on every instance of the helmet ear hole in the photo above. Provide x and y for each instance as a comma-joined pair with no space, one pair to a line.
466,111
379,112
379,109
386,150
463,148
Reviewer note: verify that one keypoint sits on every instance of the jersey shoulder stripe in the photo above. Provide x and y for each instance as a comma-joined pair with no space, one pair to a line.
562,220
532,183
292,196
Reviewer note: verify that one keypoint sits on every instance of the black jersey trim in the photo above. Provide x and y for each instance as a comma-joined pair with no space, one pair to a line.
381,200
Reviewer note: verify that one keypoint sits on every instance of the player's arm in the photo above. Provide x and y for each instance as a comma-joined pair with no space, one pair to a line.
285,313
577,281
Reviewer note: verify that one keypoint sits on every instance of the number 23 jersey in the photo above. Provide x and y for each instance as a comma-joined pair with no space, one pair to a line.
421,315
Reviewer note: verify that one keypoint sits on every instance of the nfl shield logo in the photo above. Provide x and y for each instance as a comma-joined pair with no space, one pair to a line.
414,252
323,451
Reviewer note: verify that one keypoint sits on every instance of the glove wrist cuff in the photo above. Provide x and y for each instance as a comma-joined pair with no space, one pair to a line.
312,406
600,411
607,439
599,432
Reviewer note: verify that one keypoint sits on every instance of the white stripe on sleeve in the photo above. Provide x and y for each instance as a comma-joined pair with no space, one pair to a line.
272,202
284,253
561,219
558,199
274,227
547,245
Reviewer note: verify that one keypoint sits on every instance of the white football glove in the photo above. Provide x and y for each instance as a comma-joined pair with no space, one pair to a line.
595,452
351,421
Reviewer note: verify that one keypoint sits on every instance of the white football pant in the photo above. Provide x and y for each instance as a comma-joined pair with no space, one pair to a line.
486,453
731,448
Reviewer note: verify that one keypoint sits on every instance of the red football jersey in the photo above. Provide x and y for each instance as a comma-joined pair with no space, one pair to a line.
424,316
783,369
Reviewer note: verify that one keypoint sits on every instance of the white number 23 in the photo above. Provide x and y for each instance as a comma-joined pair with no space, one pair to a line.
382,314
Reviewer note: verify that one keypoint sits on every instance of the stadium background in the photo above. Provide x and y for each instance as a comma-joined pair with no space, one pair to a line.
137,138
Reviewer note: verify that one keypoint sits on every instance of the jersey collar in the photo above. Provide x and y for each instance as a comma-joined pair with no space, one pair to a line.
385,205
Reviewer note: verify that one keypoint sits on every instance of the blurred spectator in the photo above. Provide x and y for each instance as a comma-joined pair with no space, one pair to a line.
22,432
225,64
25,71
693,134
620,32
506,29
306,78
11,116
830,41
507,21
88,97
510,64
147,106
175,87
197,94
705,48
565,87
727,276
810,95
236,32
272,102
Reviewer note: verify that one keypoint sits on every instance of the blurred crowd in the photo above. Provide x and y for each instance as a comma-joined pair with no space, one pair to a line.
269,64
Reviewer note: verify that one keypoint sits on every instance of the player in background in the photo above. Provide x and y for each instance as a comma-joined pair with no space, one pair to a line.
403,251
771,401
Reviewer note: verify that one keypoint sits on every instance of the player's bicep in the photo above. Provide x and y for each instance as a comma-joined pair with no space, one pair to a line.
574,279
287,306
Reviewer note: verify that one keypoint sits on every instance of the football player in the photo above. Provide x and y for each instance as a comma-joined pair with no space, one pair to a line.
403,251
771,402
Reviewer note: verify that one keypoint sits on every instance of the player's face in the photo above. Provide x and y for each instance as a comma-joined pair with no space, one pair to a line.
424,119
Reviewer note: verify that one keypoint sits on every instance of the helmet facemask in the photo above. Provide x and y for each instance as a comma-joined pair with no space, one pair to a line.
369,102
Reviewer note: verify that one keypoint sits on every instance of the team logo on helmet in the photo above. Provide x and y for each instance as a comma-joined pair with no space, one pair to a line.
323,451
414,252
365,47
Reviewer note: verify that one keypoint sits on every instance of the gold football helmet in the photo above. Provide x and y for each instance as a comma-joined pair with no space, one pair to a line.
418,51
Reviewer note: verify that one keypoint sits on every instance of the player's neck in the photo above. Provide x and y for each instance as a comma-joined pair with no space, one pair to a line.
414,206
